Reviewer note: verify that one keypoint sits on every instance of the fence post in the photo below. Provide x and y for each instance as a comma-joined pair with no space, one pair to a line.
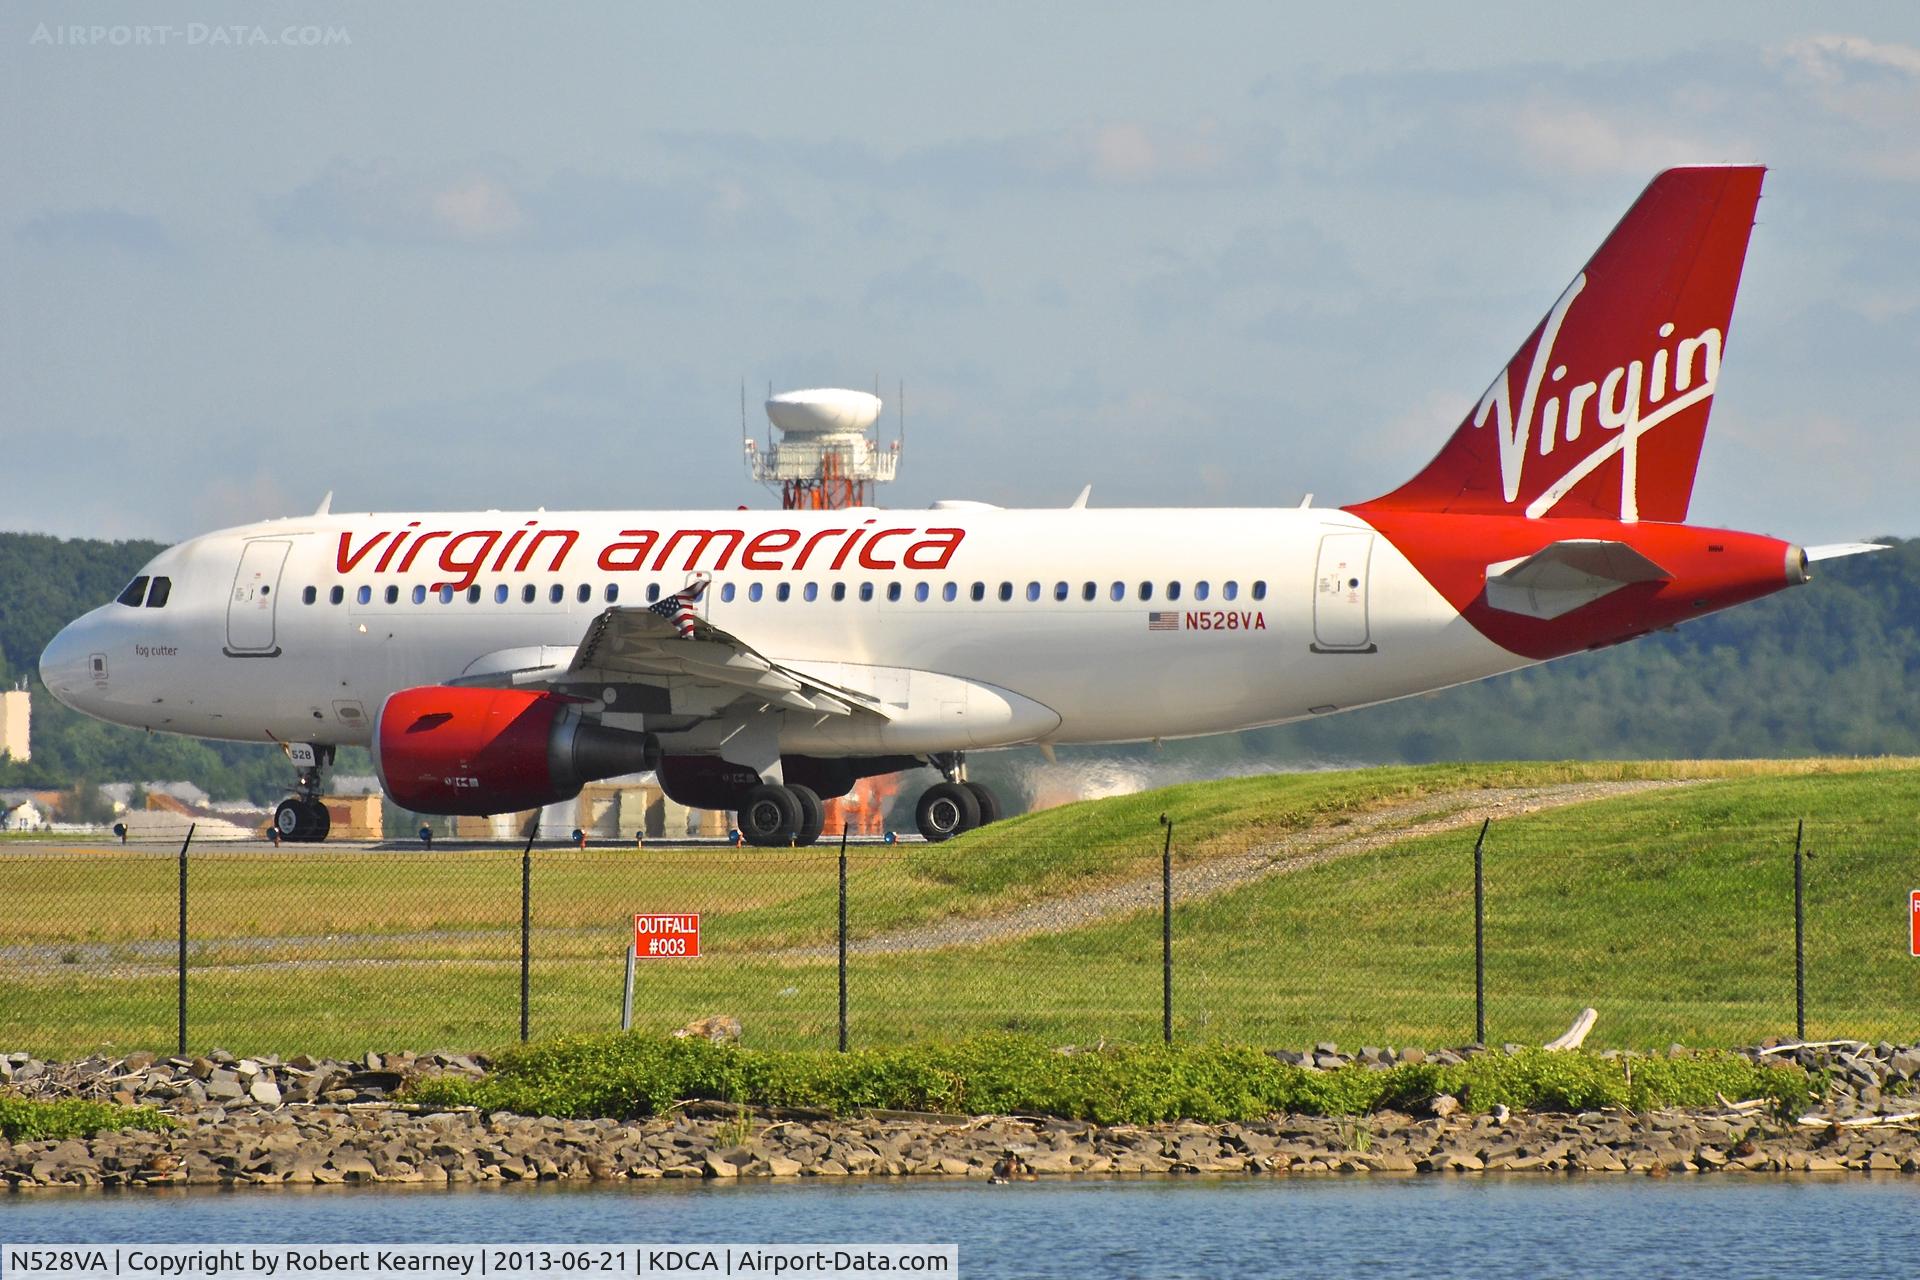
1480,935
1799,934
526,927
843,938
1166,933
181,999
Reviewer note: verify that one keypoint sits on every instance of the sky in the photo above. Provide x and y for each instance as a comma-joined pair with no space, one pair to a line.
444,256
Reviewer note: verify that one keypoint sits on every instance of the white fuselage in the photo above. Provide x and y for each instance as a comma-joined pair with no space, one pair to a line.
1199,621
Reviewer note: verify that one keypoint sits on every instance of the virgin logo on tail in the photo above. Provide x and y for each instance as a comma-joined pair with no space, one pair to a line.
1631,399
1568,428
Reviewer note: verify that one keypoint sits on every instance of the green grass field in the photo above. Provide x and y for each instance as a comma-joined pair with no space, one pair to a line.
1669,911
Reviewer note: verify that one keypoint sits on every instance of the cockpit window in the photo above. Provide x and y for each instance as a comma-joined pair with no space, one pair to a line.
157,595
136,592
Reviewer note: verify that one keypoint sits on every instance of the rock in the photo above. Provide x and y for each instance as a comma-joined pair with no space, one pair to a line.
1444,1105
1413,1055
718,1168
784,1167
224,1090
720,1028
265,1092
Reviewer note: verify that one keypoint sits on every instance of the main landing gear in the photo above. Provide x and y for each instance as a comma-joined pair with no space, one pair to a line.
301,818
948,808
774,816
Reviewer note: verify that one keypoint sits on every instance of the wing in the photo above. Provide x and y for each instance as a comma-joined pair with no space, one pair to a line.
703,675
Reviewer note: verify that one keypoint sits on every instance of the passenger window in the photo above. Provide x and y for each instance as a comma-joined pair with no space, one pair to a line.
782,591
556,593
1146,591
1229,590
1259,591
893,591
726,593
1006,591
866,591
527,593
446,594
978,591
334,596
1119,591
500,594
309,596
1060,591
1200,590
393,595
584,593
950,592
1033,591
163,587
653,592
419,595
810,593
363,596
612,592
1173,591
135,592
1088,590
920,592
473,594
839,592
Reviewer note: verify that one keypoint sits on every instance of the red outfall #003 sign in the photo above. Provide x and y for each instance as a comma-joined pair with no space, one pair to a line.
666,937
1913,910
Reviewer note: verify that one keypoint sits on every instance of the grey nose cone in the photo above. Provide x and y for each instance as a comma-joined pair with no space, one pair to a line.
63,665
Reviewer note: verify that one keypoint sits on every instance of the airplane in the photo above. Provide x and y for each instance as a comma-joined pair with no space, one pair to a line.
761,660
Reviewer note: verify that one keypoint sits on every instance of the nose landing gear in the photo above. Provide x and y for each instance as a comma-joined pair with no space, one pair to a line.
948,808
301,818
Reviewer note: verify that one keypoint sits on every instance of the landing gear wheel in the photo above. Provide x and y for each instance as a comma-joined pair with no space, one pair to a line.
291,820
300,820
945,810
989,802
769,816
813,814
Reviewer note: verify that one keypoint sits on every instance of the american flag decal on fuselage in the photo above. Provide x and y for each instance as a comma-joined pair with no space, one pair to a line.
1163,620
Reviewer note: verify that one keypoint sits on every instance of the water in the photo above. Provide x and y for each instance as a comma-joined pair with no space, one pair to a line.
1426,1227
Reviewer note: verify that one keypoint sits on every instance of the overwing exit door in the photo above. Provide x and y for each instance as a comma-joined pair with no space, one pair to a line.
1340,594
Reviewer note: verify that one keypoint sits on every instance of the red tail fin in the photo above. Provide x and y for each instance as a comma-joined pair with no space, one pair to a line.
1603,409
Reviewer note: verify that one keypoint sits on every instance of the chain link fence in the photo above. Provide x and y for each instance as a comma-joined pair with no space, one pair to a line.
1673,935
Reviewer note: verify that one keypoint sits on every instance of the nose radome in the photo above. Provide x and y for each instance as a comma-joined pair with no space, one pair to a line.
64,664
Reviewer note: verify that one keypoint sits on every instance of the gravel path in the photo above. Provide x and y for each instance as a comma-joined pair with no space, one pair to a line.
1375,829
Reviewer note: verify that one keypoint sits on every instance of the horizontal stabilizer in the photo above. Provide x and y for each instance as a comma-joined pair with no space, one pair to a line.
1834,550
1564,575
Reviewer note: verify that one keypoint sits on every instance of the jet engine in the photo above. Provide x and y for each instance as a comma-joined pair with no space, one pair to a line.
444,749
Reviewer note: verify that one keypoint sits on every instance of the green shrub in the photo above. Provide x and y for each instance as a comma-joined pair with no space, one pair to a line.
634,1075
31,1120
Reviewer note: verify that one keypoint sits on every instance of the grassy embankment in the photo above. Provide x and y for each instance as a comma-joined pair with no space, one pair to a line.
1669,911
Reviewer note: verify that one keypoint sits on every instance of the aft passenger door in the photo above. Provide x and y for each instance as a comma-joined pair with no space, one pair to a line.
1340,594
256,593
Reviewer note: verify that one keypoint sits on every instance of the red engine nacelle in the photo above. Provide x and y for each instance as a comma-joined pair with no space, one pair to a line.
444,749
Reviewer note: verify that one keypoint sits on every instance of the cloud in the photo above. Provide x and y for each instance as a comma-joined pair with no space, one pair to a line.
100,228
492,203
1836,58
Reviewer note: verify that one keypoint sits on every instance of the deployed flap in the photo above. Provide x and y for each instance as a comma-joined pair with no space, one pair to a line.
1562,576
641,645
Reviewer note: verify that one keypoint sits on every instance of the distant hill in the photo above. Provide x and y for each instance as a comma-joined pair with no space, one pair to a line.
1825,669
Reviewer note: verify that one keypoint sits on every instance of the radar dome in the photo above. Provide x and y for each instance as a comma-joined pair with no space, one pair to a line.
824,411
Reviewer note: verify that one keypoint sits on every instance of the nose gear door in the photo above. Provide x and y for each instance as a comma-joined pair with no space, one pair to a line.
1340,594
256,593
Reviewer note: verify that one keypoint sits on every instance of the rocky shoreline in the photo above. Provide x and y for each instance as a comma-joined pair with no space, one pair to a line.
304,1121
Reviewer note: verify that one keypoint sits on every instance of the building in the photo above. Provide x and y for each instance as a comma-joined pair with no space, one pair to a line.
24,816
16,723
